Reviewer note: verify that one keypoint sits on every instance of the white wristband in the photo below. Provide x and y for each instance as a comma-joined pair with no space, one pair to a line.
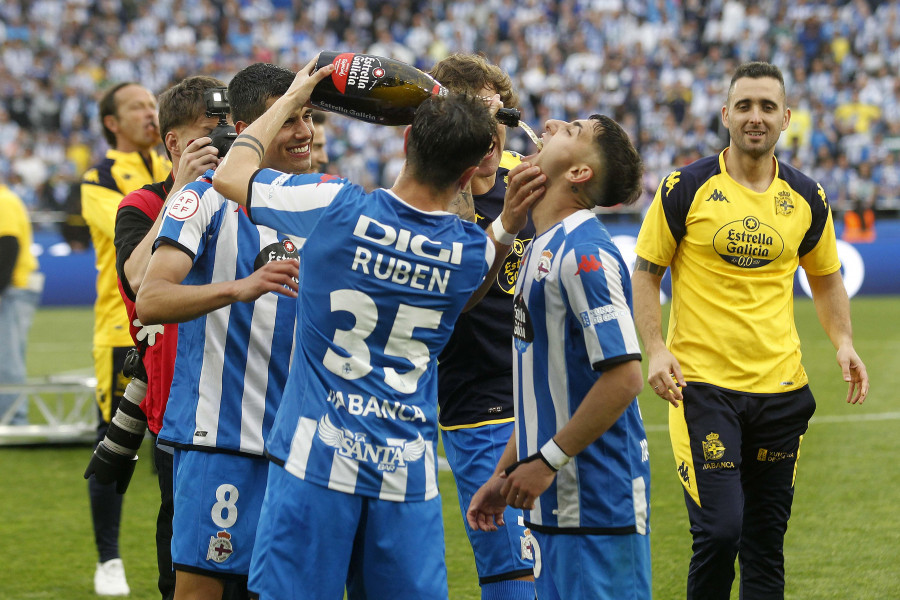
501,235
554,455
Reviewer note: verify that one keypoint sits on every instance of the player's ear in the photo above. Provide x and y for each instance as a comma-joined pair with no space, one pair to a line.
111,123
787,119
580,173
171,142
466,177
406,137
241,126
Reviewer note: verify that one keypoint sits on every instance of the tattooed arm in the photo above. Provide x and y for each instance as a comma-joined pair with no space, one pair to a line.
663,370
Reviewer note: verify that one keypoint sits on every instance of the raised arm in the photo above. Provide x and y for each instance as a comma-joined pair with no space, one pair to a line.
233,176
833,309
663,370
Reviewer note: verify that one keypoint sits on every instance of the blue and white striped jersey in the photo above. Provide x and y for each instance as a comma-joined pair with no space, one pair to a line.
382,284
573,320
231,365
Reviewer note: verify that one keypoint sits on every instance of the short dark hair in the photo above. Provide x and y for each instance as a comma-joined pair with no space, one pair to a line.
252,86
756,70
319,117
621,169
183,103
108,106
470,73
449,134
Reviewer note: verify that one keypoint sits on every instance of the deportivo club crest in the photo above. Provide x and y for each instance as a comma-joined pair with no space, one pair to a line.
783,203
220,547
543,265
713,449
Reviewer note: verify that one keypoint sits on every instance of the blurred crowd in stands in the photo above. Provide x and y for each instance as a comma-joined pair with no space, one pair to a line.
660,67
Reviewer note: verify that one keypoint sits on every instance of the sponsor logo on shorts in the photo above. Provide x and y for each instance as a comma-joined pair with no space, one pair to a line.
220,547
713,450
765,455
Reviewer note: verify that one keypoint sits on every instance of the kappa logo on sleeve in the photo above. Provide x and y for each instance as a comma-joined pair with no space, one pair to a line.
184,206
588,264
673,178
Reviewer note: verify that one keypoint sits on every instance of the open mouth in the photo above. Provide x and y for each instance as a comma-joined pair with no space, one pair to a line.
298,150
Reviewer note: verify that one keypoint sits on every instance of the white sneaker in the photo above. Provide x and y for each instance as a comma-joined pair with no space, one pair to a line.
109,579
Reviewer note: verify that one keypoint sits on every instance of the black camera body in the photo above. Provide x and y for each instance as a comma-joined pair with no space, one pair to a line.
217,106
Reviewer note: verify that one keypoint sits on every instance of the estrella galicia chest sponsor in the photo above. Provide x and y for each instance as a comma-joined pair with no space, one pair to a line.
523,332
748,243
283,250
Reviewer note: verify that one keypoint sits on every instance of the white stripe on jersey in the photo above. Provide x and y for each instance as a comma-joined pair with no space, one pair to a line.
639,493
300,445
344,473
210,388
256,380
281,195
393,485
284,197
431,486
567,498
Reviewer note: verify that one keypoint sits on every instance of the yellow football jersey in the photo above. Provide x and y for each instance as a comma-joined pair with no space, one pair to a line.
733,253
102,189
14,221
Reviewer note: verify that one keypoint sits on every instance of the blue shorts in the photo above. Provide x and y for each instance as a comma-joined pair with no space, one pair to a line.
473,454
313,540
599,567
217,502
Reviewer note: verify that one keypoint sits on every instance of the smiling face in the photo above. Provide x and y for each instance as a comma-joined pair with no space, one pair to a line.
290,150
755,115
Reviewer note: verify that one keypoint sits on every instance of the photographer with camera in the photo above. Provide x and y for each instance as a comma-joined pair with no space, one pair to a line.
211,272
192,117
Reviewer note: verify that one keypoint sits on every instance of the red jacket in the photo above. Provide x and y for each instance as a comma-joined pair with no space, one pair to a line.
157,344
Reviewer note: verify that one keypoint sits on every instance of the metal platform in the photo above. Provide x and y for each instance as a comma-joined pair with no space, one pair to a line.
64,406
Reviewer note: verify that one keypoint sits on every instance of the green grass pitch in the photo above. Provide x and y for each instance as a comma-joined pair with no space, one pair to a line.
843,542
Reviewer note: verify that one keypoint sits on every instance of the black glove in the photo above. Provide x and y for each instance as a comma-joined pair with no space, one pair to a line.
115,457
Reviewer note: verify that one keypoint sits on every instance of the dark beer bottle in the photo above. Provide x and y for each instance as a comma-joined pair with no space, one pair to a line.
379,90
